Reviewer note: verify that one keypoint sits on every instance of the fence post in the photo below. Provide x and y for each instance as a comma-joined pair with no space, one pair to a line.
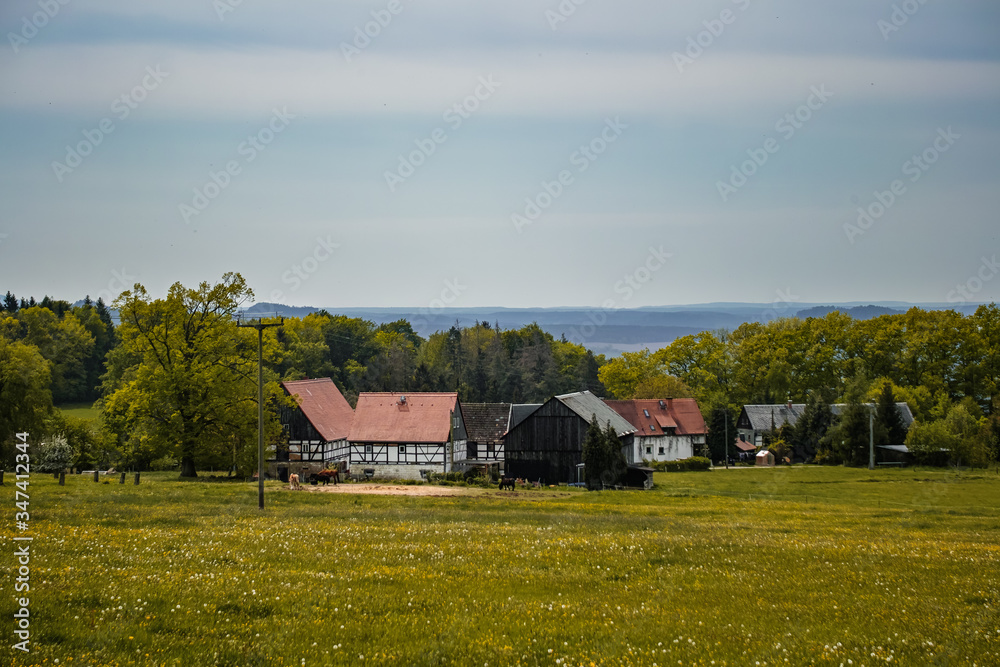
95,475
122,480
62,478
137,479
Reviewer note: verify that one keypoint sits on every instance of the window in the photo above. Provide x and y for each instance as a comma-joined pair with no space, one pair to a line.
661,450
646,412
402,449
368,450
649,450
652,428
490,449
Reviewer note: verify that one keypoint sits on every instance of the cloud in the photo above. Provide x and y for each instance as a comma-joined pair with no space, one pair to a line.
227,83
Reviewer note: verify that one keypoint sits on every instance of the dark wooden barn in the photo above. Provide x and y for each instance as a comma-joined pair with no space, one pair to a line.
547,445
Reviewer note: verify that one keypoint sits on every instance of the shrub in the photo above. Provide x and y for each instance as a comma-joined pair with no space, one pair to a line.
693,463
164,463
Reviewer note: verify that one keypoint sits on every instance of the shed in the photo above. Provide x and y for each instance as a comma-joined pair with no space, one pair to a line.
639,477
765,458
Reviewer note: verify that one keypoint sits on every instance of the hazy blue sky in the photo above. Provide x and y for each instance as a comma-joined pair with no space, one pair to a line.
677,152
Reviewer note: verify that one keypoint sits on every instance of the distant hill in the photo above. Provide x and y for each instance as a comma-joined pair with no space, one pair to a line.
857,312
615,331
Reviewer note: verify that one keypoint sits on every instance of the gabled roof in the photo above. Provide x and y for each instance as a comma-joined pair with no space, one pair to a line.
486,422
681,414
586,405
760,415
743,445
904,411
323,405
387,417
519,412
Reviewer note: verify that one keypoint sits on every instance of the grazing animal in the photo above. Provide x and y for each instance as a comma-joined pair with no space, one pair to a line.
293,481
507,483
327,476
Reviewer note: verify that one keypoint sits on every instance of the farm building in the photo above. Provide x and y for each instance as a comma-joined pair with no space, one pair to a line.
404,436
315,429
485,426
756,420
547,444
666,430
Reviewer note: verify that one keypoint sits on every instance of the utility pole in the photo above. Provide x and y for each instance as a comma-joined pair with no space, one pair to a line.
260,325
871,439
725,411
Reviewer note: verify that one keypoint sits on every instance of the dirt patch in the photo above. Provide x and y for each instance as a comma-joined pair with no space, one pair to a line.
392,490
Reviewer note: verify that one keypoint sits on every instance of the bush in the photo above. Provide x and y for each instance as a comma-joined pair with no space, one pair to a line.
164,463
693,463
698,463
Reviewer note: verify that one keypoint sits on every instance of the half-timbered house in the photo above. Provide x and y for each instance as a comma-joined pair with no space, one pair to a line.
405,436
667,429
485,426
547,444
315,429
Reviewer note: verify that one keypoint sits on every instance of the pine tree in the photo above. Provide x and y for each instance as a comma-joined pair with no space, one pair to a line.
594,455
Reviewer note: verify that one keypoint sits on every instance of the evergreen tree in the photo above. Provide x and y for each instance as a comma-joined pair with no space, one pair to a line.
811,430
616,465
717,429
892,431
594,455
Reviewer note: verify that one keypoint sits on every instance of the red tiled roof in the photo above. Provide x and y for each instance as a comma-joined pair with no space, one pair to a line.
679,413
743,445
323,405
384,417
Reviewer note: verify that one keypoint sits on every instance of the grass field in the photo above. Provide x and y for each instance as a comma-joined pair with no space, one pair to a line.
81,410
740,567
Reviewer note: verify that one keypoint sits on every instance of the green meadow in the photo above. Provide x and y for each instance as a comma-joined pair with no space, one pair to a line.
782,566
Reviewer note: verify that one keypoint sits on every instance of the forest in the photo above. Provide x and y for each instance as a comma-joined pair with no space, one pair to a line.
174,378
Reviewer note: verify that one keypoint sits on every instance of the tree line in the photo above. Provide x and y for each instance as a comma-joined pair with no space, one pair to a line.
175,380
944,365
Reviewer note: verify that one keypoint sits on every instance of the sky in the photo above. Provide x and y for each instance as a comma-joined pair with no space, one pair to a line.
521,154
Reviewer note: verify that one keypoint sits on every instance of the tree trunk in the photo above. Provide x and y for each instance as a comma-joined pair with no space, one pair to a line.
187,467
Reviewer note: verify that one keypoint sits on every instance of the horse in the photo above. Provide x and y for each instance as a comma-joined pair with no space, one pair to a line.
327,476
293,481
507,483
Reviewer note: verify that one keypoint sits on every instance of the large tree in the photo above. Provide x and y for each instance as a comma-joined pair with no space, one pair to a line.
183,380
25,398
